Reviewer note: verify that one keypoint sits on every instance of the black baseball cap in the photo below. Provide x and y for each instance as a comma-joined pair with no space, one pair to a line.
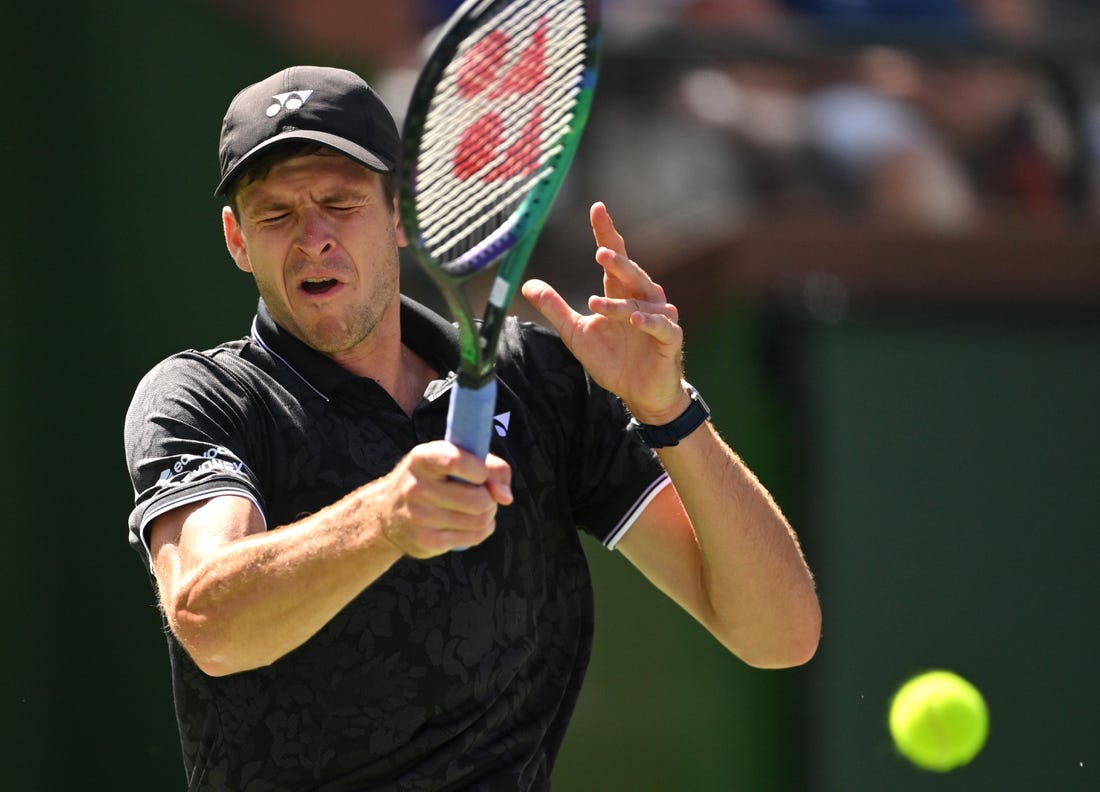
334,107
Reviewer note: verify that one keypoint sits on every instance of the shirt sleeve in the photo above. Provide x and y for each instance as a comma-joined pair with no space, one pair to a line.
186,440
609,473
616,475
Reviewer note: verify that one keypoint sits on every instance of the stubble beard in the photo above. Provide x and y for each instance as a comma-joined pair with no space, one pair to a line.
342,335
343,332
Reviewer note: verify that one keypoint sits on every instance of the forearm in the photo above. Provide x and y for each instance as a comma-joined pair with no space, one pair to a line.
756,592
239,596
250,601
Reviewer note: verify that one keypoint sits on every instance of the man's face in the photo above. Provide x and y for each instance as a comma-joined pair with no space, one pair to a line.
321,238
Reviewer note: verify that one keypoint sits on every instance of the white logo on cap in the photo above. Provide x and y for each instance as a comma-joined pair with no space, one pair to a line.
288,101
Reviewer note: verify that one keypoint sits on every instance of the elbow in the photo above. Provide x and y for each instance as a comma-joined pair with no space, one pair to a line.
216,650
793,652
808,648
216,665
798,649
210,653
800,641
789,643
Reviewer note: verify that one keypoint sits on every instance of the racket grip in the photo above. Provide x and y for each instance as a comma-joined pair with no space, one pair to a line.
470,417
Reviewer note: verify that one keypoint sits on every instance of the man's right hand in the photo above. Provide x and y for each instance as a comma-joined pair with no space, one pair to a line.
441,498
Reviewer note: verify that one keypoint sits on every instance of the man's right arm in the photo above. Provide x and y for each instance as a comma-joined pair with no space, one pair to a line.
238,596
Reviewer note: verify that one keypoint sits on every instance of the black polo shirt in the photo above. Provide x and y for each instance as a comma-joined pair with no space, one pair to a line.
457,672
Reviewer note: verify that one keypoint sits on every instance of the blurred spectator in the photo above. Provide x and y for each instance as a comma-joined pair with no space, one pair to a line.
1012,143
889,161
631,18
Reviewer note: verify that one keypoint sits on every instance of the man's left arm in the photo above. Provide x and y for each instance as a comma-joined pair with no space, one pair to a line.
719,546
715,542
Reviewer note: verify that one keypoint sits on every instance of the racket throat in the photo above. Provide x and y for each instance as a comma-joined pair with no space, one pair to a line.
472,381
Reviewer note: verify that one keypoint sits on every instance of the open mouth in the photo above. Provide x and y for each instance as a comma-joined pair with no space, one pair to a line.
319,285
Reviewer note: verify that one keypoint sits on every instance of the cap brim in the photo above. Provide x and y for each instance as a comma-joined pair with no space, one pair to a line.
343,145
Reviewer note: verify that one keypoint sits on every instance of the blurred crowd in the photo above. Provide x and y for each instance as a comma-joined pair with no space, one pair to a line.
943,114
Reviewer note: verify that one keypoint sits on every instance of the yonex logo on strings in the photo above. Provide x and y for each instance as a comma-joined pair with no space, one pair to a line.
482,74
291,100
500,423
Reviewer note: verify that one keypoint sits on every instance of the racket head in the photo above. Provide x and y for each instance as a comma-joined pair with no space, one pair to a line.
491,128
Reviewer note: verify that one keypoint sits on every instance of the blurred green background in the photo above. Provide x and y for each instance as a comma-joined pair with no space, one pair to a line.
934,441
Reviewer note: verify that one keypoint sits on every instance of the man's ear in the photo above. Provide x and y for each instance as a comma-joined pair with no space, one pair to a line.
234,241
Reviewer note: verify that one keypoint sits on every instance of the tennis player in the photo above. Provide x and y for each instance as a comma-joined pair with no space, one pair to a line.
298,512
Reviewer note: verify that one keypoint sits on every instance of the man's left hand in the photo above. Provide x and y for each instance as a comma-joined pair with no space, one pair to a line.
631,342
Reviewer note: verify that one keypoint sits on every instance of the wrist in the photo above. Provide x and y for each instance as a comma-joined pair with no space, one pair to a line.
663,415
670,433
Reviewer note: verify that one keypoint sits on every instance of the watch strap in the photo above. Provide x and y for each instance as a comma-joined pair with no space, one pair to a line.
672,433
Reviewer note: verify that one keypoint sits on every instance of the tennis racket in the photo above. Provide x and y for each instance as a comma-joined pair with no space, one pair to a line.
491,128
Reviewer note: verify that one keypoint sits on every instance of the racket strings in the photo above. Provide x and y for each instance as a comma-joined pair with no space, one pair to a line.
501,110
562,59
447,223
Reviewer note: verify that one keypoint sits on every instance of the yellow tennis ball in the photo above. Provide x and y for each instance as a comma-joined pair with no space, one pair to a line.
939,721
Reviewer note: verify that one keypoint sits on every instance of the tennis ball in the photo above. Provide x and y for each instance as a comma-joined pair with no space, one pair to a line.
939,721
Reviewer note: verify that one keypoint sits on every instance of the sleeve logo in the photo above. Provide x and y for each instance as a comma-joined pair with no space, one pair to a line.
188,466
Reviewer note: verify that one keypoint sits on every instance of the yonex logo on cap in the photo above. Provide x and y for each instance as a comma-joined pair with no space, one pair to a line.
338,109
288,101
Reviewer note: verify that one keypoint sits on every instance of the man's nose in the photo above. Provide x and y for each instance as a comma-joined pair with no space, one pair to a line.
314,232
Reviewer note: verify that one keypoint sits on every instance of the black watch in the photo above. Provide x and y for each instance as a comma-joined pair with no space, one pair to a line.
672,433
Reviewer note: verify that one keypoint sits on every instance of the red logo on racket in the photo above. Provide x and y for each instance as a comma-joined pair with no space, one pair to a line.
480,74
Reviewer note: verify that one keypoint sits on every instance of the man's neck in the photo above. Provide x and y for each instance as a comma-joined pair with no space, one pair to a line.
384,358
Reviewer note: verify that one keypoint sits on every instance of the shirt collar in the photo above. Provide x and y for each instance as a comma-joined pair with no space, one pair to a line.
422,330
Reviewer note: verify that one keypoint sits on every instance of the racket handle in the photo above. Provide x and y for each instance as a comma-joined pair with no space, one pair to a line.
470,417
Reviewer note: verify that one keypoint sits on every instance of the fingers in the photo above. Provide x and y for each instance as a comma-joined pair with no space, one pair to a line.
444,498
553,307
499,480
622,276
630,295
603,229
658,320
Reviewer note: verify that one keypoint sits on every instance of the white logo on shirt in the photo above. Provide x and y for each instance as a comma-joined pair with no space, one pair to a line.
190,464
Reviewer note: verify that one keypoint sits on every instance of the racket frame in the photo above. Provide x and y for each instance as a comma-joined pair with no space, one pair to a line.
474,397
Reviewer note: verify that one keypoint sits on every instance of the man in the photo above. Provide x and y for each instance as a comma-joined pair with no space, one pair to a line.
305,524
